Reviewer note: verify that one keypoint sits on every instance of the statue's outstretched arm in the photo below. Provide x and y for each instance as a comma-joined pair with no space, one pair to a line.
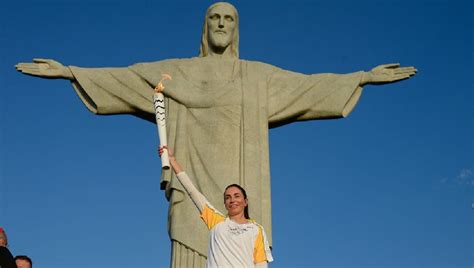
387,73
45,68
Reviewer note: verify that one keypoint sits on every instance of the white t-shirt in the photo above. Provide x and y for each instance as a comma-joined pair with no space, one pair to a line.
233,244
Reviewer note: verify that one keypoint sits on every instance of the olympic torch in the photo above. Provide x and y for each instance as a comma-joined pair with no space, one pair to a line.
159,102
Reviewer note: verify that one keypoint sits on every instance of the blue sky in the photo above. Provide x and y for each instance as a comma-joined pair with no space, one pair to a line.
389,186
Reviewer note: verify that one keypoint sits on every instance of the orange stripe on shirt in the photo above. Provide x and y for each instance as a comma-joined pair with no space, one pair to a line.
211,217
259,248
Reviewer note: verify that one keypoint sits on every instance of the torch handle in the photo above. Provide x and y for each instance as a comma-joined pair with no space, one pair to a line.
159,102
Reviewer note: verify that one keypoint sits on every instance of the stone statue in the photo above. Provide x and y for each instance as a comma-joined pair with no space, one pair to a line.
219,110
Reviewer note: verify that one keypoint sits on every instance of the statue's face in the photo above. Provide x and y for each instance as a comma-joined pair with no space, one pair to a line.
220,26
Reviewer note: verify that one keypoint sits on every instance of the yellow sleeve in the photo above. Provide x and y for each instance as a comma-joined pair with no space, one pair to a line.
259,248
211,217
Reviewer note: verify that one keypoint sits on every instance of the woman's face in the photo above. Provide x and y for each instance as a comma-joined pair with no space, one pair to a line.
234,201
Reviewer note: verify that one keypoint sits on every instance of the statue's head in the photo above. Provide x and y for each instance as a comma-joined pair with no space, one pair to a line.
220,34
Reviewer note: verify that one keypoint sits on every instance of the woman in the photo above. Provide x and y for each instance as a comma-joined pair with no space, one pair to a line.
235,239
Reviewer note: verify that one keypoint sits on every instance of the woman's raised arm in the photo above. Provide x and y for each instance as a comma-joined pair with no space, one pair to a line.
199,199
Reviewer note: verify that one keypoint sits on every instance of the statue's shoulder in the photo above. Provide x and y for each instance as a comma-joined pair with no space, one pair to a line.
166,62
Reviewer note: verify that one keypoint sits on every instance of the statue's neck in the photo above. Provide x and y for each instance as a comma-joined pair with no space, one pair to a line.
223,52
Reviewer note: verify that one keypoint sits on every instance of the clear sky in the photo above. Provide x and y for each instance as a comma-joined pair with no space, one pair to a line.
389,186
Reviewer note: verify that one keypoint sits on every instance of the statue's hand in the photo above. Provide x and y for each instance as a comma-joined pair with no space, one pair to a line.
387,73
45,68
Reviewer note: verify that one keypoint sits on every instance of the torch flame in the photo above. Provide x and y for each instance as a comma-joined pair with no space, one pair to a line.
159,88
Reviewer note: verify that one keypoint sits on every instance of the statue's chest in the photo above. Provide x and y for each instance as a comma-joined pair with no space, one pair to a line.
223,92
213,75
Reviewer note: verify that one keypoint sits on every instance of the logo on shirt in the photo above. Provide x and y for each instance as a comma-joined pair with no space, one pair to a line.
239,229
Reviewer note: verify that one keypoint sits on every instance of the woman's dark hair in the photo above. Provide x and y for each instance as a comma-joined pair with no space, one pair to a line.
246,209
24,258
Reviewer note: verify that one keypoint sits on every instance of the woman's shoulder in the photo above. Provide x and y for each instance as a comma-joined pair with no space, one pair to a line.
256,224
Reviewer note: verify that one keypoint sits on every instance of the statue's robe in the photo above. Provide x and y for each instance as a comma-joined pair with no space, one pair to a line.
218,113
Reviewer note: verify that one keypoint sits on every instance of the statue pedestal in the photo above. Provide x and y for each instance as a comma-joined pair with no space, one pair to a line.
184,257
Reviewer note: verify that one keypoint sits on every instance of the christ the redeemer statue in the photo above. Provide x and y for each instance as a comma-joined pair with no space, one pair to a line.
219,109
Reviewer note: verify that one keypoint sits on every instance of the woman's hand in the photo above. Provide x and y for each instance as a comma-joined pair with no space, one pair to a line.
174,164
161,150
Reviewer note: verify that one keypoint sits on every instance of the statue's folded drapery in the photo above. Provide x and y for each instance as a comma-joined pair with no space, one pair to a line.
218,114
